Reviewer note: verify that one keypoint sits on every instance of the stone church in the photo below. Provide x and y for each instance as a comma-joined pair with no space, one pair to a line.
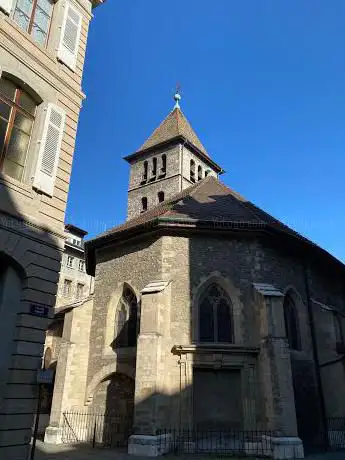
207,312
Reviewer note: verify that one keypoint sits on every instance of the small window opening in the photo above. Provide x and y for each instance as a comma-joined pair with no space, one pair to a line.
199,172
146,167
192,170
144,204
164,164
160,197
154,166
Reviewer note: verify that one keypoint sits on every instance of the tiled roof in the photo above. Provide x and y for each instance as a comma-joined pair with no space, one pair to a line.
208,201
173,126
208,204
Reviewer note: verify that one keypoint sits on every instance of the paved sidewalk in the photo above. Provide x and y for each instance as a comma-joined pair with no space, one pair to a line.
62,452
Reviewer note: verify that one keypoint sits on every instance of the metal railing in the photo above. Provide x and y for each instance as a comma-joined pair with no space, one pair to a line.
336,432
95,429
231,442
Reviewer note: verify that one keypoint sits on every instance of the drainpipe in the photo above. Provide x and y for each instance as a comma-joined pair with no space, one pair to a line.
316,356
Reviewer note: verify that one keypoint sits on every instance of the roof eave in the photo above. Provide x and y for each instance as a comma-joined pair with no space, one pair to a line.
188,224
196,150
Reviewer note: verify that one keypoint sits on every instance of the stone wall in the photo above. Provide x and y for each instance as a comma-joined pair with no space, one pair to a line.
135,265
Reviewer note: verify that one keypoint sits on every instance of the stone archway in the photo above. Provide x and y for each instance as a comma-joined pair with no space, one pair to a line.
114,397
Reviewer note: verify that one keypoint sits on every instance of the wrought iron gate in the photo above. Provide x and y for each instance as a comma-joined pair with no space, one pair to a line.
99,430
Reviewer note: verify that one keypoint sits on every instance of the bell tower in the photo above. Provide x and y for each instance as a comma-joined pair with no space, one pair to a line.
171,159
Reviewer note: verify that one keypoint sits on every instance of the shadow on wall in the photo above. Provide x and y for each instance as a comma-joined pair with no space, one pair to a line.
29,267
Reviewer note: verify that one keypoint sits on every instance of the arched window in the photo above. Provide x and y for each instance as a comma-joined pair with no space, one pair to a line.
154,166
160,197
17,115
126,319
291,323
164,164
143,204
34,18
199,172
146,168
215,316
192,170
207,172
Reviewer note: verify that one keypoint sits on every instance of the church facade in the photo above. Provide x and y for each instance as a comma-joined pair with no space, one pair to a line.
207,313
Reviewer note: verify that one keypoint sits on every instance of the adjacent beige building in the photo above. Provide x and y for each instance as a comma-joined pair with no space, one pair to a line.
75,284
42,52
207,314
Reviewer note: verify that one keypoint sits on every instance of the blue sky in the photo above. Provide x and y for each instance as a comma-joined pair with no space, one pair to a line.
263,86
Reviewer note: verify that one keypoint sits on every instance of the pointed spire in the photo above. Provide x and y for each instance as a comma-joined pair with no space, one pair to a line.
175,124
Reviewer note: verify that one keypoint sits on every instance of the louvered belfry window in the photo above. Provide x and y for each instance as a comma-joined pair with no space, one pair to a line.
17,114
215,316
34,17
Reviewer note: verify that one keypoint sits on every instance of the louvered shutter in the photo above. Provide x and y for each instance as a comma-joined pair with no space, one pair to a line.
6,5
70,36
49,152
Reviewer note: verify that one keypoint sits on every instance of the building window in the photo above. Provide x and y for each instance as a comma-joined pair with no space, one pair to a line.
199,172
192,170
17,114
70,261
339,337
126,319
291,323
154,166
215,316
143,204
164,164
146,167
81,266
80,290
160,197
67,288
207,172
34,17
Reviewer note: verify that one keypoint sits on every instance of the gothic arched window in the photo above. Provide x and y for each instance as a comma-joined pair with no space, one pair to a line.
126,319
215,316
291,323
160,197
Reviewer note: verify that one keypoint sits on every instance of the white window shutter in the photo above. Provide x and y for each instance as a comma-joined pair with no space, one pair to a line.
70,36
49,151
6,5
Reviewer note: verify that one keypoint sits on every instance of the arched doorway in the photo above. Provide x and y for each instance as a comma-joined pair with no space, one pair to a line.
114,402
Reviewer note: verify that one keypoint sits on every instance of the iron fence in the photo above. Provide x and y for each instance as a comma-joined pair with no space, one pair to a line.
229,442
100,430
336,432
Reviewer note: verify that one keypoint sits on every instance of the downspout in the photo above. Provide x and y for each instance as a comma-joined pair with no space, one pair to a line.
316,356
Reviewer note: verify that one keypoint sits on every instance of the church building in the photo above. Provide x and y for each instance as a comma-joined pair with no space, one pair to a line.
207,313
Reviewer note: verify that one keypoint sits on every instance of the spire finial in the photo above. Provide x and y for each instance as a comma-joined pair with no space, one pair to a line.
177,97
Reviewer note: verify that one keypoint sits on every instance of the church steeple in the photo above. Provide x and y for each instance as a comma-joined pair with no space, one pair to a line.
170,160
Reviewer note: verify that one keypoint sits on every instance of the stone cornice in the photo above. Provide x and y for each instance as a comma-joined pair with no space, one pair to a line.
214,348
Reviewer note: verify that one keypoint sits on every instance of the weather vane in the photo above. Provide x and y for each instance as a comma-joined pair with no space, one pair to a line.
177,96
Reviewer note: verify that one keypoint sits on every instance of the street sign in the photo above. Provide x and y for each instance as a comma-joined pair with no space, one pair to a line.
45,376
39,310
